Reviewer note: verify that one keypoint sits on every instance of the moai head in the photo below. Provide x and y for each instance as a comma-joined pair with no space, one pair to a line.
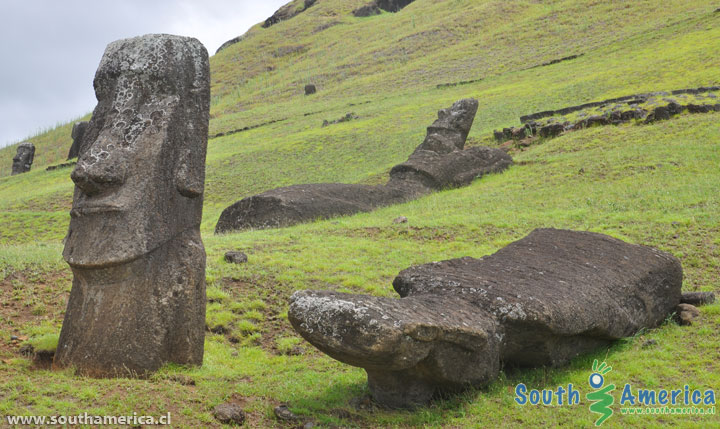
23,160
140,176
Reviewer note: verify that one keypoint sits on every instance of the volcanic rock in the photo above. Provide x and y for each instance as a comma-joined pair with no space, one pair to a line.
539,301
134,246
22,161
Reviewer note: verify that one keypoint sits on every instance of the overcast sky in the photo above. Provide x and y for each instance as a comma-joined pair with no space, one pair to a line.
50,49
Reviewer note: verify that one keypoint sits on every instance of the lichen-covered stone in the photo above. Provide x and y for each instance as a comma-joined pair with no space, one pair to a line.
23,159
134,246
539,301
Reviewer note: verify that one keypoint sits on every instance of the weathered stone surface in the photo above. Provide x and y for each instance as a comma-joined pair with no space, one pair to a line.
539,301
22,161
442,171
78,131
367,10
697,298
450,130
134,246
438,163
235,257
229,413
310,89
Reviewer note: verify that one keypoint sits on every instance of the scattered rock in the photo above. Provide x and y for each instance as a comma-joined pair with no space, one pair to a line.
540,301
310,89
229,413
649,343
697,298
27,350
13,337
235,257
440,162
367,10
22,162
78,131
551,130
282,412
347,118
686,314
135,219
400,219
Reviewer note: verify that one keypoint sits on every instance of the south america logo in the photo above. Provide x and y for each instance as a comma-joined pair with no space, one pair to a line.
601,398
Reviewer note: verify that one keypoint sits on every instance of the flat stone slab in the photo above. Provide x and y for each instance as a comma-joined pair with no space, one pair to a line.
540,301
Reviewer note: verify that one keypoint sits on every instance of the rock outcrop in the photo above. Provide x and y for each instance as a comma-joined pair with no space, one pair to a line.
78,131
288,11
539,301
440,162
134,246
23,159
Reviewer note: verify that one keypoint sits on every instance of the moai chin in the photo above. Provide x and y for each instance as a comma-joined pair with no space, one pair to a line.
22,161
134,245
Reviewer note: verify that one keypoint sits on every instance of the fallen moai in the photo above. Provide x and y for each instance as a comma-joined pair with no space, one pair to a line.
23,159
134,246
539,301
440,162
78,131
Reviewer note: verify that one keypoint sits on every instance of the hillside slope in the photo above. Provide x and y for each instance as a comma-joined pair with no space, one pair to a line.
652,184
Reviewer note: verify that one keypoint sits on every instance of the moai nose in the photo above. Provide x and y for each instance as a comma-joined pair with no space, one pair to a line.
96,174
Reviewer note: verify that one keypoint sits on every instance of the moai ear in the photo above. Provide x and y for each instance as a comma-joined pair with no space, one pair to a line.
189,179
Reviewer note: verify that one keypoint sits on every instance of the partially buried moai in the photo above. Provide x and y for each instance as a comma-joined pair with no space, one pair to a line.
134,246
22,161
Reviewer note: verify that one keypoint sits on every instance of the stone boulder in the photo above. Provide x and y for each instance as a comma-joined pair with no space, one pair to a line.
440,162
310,89
23,159
78,131
134,247
539,301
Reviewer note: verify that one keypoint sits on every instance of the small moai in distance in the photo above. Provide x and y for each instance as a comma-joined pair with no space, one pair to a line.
78,131
22,161
134,246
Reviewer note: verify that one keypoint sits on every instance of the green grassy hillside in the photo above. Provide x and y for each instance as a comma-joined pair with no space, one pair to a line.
651,184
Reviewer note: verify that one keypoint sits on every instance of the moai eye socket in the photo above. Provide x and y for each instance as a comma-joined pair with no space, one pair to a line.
596,380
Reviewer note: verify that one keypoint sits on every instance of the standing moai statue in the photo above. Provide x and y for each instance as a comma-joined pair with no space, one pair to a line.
134,245
78,131
24,158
